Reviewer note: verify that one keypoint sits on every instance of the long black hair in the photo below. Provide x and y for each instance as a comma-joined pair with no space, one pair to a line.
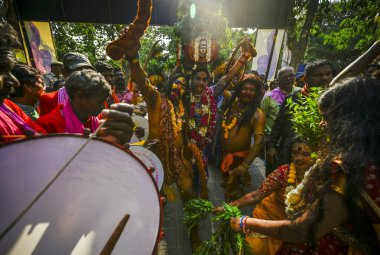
252,107
351,110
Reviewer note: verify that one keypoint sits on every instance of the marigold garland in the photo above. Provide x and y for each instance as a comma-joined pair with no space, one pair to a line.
167,151
227,128
176,117
198,157
292,175
293,199
233,122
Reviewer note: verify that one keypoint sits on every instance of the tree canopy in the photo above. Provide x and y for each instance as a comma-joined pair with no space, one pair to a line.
336,30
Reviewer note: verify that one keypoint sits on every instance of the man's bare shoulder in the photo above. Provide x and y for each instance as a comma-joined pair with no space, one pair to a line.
258,117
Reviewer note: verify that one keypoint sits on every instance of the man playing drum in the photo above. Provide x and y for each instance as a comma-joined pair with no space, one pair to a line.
14,123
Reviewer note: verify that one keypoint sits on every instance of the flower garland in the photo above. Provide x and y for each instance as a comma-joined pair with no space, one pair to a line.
206,111
227,128
199,161
235,119
176,118
292,175
293,200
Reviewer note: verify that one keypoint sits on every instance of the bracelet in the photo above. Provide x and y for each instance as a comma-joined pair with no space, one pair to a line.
241,221
245,224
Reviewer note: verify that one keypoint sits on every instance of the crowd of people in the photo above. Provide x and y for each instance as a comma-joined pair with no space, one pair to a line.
304,206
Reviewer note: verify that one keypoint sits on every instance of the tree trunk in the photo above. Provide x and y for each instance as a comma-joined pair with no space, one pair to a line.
299,45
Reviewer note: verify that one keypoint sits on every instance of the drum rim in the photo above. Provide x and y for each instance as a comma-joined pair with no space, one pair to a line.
2,145
143,162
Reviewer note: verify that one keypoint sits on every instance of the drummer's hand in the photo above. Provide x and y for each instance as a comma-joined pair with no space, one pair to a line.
140,132
139,111
119,125
235,224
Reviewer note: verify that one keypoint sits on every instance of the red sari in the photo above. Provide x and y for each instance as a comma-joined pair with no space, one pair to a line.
11,129
331,244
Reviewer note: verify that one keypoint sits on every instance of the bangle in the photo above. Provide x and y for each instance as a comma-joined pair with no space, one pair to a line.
241,221
245,225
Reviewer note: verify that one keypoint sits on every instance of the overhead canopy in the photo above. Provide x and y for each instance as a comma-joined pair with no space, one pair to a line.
240,13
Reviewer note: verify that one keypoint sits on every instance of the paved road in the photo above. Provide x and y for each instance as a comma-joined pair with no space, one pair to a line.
176,240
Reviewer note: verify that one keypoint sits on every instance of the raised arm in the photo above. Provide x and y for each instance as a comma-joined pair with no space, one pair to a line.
357,67
139,76
248,52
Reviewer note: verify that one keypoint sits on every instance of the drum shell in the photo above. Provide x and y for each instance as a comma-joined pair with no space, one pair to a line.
86,202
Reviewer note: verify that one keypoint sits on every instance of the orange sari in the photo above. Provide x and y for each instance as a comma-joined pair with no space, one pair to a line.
270,208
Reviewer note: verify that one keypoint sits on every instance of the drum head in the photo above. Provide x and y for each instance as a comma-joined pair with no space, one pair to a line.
81,208
150,160
143,123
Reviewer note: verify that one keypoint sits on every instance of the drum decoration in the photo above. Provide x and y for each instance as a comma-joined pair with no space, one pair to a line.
200,32
151,161
202,49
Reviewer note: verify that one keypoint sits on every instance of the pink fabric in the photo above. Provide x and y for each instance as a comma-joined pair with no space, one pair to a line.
129,97
73,124
277,95
63,98
8,128
122,96
17,120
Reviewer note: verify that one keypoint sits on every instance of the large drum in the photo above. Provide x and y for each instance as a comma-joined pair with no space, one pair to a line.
53,202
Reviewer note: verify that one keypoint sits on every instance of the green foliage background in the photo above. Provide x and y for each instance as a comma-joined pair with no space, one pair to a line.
306,117
91,39
340,31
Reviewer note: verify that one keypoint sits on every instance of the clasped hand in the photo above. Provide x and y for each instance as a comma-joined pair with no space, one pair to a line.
118,126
